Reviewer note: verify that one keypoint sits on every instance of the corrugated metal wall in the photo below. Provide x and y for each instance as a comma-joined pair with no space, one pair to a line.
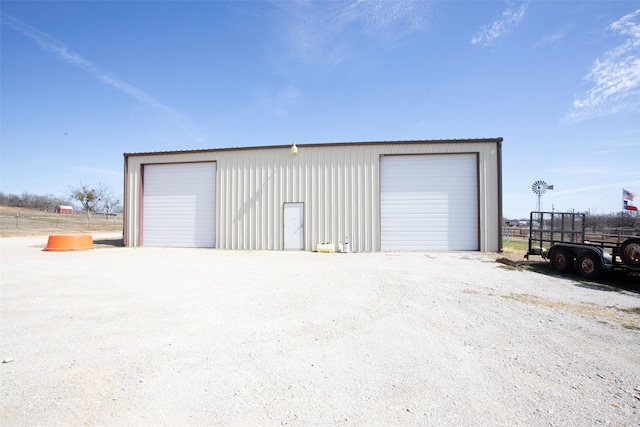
338,184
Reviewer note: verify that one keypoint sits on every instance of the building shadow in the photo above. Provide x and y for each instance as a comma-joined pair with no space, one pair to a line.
610,281
108,242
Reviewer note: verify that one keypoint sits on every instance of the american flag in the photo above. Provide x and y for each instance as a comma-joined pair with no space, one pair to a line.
627,200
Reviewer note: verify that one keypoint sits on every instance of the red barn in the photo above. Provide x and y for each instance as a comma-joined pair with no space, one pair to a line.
64,209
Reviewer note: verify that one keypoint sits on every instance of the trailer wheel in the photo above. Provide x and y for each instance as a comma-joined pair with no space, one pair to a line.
630,253
561,260
589,265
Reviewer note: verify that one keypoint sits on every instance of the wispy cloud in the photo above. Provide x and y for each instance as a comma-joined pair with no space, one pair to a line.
329,32
275,103
617,185
552,38
579,170
615,77
98,171
59,50
510,18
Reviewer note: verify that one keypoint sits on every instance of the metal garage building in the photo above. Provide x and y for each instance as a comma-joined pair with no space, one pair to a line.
378,196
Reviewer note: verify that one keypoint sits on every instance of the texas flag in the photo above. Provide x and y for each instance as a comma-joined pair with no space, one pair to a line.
627,200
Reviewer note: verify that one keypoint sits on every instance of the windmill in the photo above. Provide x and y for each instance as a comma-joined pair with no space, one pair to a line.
539,188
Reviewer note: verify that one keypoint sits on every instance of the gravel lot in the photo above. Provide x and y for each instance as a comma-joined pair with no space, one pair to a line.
149,336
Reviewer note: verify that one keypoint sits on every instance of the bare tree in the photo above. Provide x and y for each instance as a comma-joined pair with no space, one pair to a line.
110,203
613,222
27,200
594,222
627,219
46,202
10,199
89,197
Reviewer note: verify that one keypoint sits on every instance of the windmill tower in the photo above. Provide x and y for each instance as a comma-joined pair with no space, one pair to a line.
539,188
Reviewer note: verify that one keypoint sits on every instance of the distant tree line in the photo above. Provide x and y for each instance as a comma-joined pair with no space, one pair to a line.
46,202
613,222
92,199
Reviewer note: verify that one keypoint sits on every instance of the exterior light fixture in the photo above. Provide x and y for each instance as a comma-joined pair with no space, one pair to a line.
294,149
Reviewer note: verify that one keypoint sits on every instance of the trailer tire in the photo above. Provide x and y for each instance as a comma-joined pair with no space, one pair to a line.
561,260
589,265
630,253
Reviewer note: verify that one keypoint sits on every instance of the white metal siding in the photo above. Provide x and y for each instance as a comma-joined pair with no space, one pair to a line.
179,205
336,187
429,202
338,184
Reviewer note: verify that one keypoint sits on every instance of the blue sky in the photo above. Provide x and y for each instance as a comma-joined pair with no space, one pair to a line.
84,82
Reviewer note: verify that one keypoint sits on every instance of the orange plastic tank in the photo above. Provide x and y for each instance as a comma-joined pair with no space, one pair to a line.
69,242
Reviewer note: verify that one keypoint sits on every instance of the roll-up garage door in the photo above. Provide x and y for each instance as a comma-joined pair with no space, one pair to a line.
429,202
179,205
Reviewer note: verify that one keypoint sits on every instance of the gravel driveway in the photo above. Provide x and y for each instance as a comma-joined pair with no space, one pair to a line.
150,336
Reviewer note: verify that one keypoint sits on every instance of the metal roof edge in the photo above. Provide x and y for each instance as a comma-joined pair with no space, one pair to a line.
322,144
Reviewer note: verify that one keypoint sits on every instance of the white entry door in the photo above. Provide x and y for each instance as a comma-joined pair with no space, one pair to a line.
294,226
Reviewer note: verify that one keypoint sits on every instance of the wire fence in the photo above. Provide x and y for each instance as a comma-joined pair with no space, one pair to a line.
18,222
523,233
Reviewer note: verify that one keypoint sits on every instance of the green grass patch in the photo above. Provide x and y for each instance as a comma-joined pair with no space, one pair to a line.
515,244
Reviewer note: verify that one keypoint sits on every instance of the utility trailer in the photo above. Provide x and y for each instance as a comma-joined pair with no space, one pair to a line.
560,238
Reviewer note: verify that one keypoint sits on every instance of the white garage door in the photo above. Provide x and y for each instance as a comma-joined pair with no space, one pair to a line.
429,202
179,205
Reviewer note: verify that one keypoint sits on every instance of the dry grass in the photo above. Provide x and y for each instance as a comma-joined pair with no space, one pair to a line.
634,310
28,222
628,318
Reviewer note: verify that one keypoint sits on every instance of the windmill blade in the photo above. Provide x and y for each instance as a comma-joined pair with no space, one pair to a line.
539,187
